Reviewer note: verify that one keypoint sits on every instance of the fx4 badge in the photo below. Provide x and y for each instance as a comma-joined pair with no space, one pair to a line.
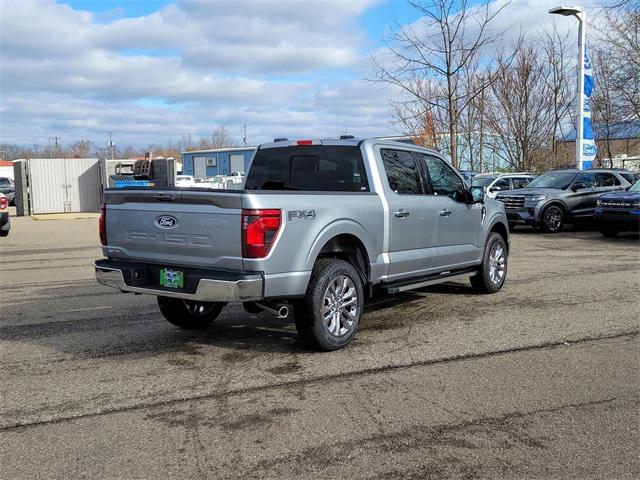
303,214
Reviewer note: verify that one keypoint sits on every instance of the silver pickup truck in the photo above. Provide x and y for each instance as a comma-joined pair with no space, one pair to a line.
320,226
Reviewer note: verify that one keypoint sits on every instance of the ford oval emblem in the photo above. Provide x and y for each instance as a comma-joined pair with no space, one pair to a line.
166,221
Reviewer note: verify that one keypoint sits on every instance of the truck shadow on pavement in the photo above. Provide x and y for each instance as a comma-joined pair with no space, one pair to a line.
135,328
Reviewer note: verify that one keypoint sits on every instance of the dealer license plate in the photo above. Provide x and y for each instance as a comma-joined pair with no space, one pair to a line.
171,278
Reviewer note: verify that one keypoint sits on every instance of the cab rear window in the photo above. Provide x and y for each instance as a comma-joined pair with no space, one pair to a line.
321,168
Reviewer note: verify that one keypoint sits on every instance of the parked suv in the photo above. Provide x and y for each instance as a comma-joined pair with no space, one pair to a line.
560,196
619,211
498,182
319,225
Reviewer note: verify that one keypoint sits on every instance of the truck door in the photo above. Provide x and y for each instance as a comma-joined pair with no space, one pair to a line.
458,242
412,220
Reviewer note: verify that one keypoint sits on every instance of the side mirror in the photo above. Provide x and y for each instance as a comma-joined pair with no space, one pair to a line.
477,194
577,186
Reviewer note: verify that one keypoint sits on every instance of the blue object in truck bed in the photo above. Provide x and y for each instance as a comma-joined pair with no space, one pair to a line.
134,183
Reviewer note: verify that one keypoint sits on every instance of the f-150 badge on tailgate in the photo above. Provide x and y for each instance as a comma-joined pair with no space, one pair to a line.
166,221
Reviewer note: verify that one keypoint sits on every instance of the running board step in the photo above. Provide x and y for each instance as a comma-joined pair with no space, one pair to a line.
414,283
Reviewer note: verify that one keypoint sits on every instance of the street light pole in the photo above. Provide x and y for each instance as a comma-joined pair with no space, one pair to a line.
582,19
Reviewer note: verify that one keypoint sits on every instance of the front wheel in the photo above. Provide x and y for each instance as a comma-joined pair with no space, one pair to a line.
189,314
327,319
493,271
552,219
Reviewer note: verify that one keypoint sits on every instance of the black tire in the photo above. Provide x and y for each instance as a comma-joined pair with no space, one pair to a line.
4,233
312,326
486,280
609,232
553,219
187,314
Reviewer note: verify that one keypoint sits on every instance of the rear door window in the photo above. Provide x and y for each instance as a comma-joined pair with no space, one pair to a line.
403,172
324,168
606,180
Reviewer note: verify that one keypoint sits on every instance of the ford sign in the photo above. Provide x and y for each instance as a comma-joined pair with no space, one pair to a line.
166,221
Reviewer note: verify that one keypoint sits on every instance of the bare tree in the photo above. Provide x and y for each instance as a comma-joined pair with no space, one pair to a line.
620,38
427,61
521,112
559,83
79,149
607,113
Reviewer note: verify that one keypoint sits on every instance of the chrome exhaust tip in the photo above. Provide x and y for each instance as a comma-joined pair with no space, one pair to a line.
281,312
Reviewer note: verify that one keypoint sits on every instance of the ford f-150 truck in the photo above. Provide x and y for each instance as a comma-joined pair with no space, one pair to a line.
318,226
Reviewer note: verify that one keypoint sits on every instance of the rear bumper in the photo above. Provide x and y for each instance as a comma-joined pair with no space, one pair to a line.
200,285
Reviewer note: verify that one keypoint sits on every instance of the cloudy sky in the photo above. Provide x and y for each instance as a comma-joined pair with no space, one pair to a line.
153,70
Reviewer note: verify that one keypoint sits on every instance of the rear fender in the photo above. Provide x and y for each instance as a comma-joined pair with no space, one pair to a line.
339,227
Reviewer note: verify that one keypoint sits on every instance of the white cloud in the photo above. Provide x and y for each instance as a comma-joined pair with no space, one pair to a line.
283,67
185,68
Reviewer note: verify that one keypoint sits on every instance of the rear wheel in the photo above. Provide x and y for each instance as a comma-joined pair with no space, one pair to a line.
327,319
189,314
493,271
609,232
552,219
4,233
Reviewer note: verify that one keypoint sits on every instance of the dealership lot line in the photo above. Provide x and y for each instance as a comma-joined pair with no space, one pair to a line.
78,357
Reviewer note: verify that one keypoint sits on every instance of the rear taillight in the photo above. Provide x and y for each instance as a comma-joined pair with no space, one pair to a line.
259,231
4,203
102,224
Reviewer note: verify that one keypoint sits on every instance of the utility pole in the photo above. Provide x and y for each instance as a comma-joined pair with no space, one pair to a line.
244,134
111,144
56,147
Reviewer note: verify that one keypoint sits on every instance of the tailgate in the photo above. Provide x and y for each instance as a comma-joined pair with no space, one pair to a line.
175,227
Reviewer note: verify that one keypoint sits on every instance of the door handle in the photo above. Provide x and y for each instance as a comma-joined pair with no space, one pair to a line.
445,213
401,213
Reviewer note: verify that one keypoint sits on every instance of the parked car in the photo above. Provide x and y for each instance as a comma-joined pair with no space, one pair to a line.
184,181
560,196
619,211
319,225
8,188
498,182
5,220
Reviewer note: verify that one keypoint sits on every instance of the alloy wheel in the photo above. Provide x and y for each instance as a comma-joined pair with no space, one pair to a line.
340,306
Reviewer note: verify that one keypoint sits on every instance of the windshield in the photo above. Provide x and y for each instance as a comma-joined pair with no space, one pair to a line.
482,181
635,187
552,180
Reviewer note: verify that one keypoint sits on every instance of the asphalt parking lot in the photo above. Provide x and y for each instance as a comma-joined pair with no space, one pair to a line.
538,381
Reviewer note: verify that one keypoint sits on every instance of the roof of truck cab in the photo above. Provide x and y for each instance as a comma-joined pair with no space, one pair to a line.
349,142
